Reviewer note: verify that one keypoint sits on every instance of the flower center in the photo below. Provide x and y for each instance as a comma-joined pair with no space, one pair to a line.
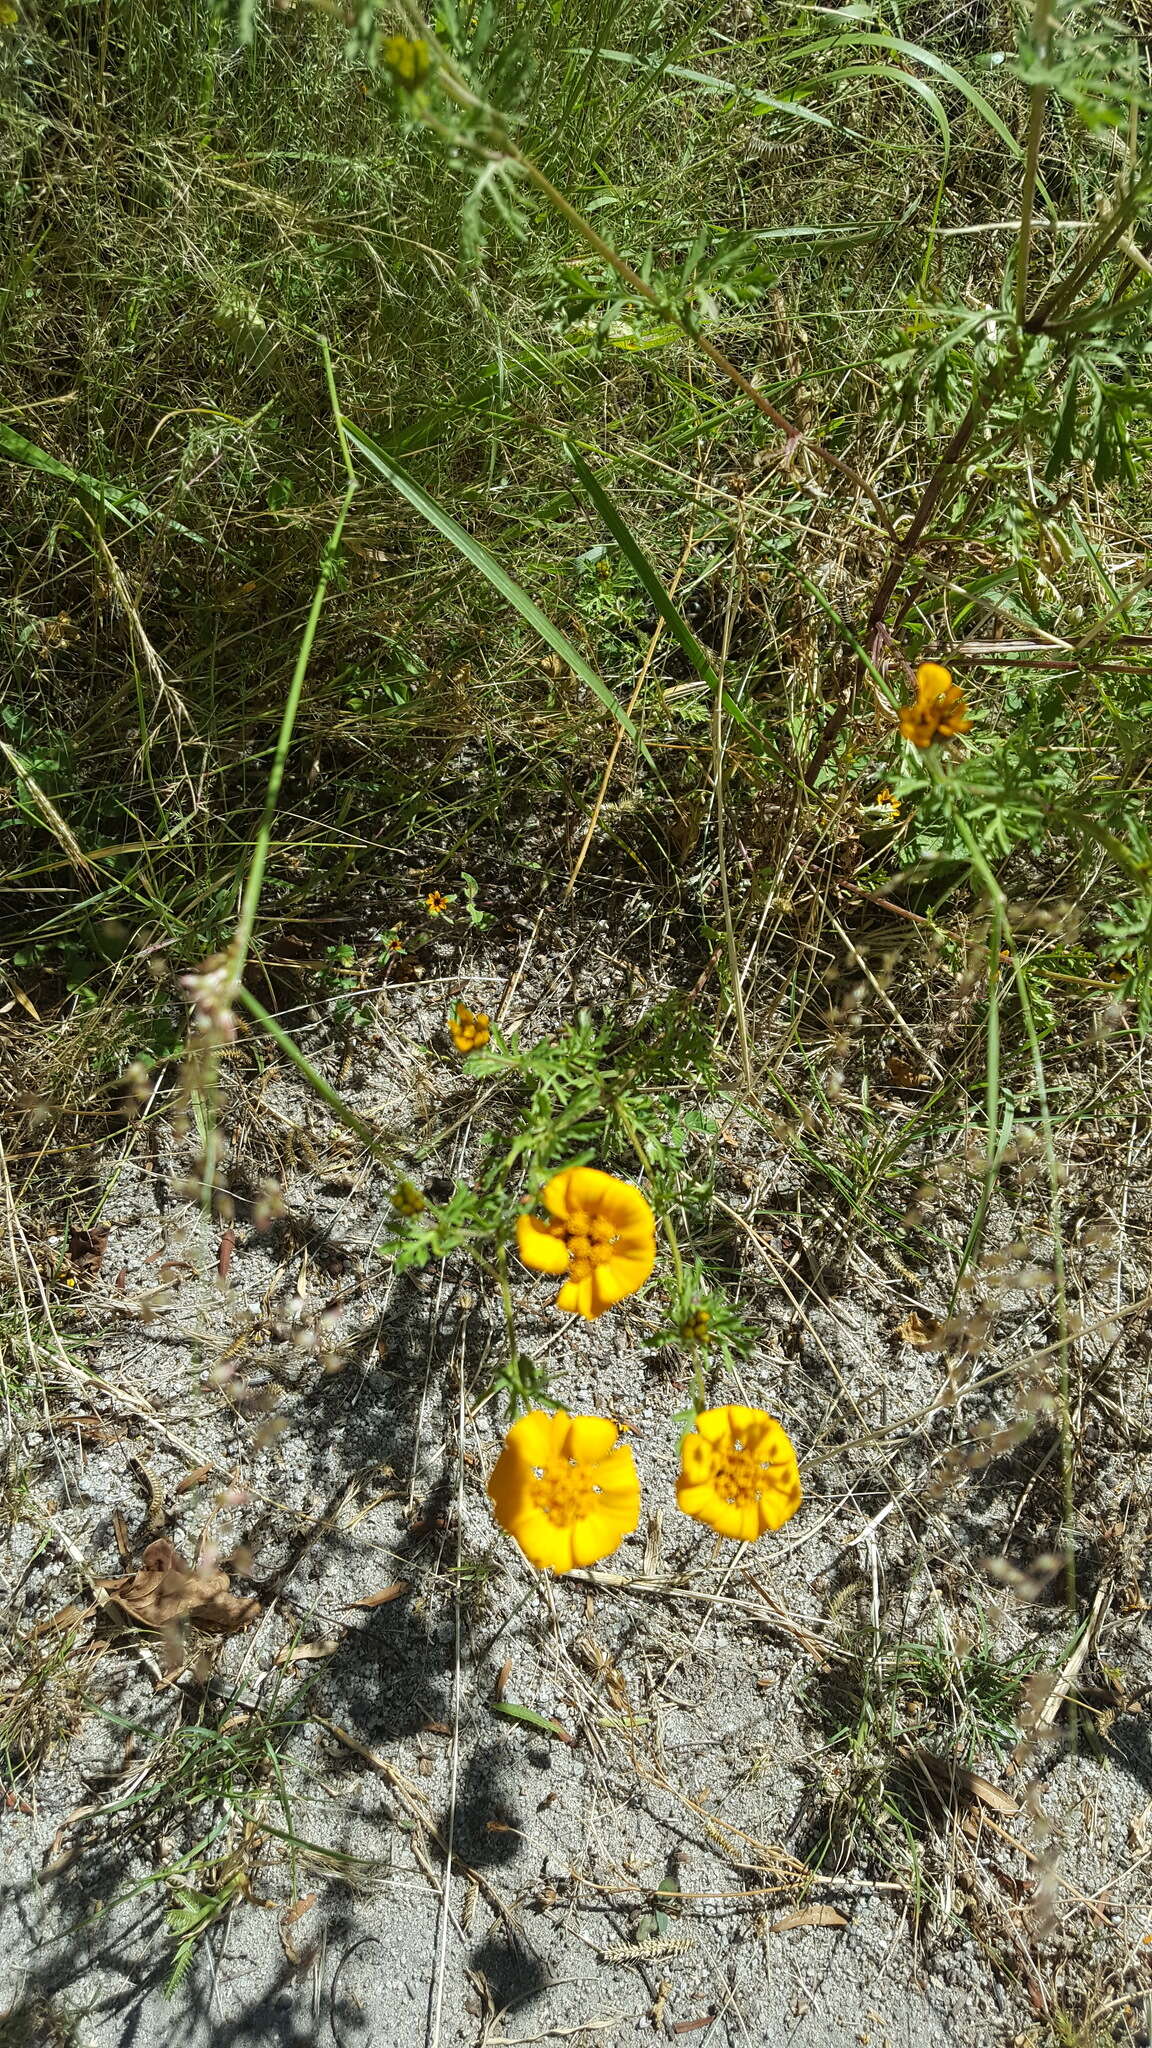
741,1475
589,1239
564,1493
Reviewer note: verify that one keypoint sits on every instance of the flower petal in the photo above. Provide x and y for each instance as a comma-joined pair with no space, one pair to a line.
542,1542
587,1187
779,1505
536,1436
613,1280
696,1459
598,1535
590,1438
713,1425
932,680
625,1207
557,1196
540,1247
616,1475
577,1295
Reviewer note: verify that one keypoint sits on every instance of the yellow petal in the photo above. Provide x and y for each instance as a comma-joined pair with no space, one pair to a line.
537,1435
603,1293
616,1475
586,1187
625,1207
743,1421
692,1499
538,1246
713,1425
598,1535
543,1543
932,680
514,1469
778,1506
590,1438
578,1296
556,1195
725,1516
696,1460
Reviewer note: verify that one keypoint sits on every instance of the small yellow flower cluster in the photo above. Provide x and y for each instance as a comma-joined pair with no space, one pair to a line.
470,1029
408,60
939,712
406,1199
563,1486
697,1328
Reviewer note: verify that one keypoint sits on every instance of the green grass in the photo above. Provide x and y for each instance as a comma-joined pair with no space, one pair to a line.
540,486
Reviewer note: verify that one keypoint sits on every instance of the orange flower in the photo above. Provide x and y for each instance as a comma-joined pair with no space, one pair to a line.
565,1488
939,712
436,904
738,1473
469,1028
602,1234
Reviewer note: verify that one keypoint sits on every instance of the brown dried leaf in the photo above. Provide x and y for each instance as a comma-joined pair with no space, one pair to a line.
303,1653
166,1590
957,1781
988,1794
381,1599
904,1075
297,1912
86,1251
64,1618
192,1479
91,1429
809,1916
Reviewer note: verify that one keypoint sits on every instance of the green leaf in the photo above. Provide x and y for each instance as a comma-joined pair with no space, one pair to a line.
677,625
502,583
512,1712
1066,428
16,449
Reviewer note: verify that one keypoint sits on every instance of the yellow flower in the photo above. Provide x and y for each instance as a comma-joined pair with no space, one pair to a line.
407,58
406,1199
738,1473
436,904
602,1234
565,1488
939,711
469,1028
887,802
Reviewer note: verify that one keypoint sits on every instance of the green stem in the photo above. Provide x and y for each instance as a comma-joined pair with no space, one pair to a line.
253,886
236,958
1041,21
506,1299
734,973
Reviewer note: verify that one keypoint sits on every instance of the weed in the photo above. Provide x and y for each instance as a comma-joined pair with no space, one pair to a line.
484,496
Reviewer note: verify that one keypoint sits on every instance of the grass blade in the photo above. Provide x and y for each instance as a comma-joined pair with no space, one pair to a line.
677,625
502,583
